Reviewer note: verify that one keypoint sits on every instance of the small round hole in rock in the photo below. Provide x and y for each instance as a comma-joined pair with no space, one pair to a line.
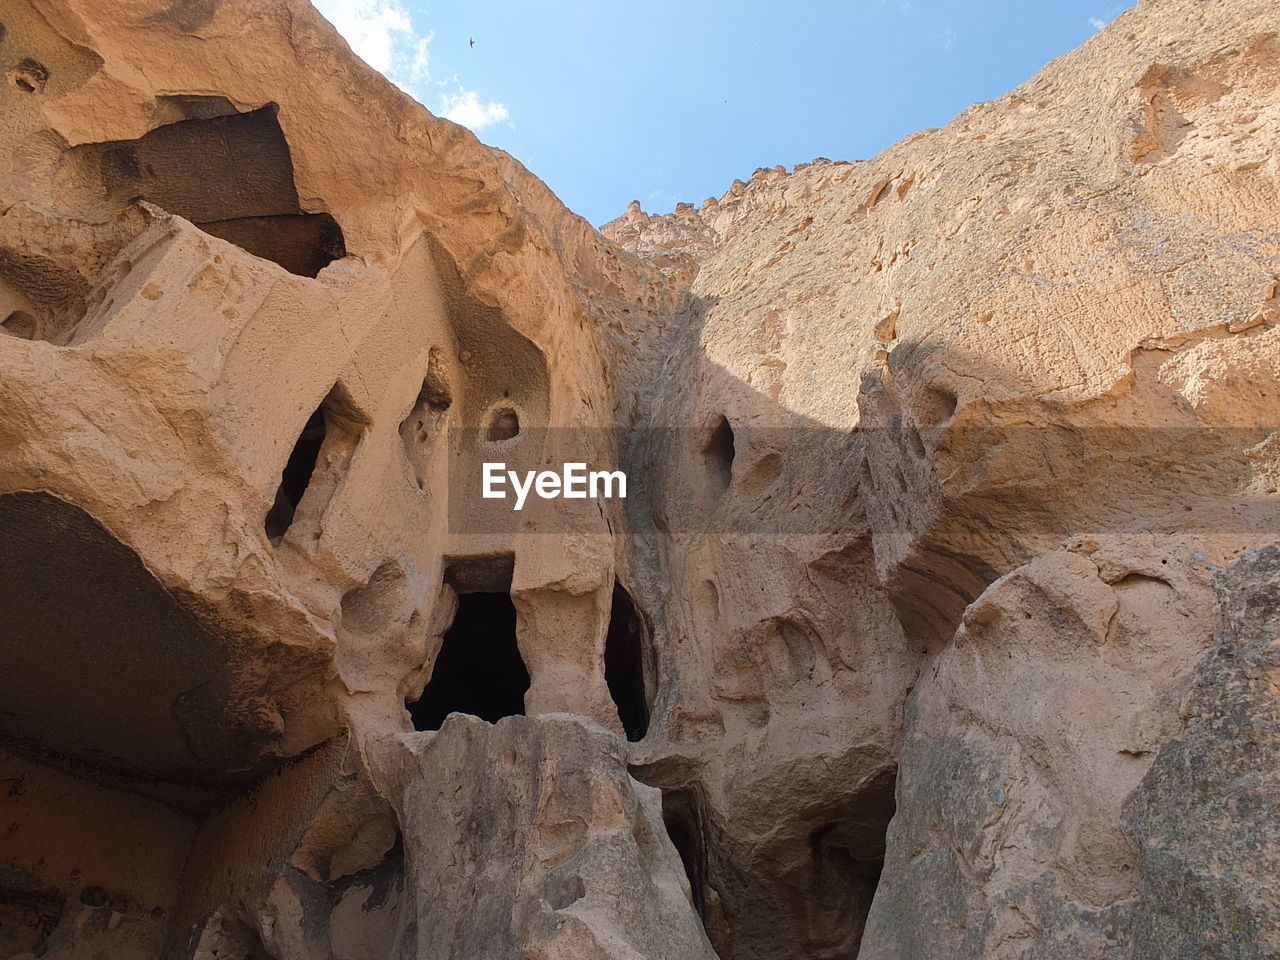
30,76
504,424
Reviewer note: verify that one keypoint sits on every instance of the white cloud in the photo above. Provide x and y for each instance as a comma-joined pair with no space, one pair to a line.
421,66
1097,23
374,28
466,107
948,38
383,34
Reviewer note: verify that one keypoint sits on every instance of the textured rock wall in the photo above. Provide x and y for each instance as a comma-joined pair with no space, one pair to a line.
935,622
1025,365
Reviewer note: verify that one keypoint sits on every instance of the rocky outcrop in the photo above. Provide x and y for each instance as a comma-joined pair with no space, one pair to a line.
993,360
935,621
1203,819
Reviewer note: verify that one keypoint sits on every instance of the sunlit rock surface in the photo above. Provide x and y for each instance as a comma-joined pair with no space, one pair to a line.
937,621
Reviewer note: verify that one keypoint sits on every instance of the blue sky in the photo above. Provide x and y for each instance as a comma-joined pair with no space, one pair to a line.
666,101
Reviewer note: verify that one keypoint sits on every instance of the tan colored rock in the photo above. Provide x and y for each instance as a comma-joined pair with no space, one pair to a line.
967,353
1039,719
935,460
548,848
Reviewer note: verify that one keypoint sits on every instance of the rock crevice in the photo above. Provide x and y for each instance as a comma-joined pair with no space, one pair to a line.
937,620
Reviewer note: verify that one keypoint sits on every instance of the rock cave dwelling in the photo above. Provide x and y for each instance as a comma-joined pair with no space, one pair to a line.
941,618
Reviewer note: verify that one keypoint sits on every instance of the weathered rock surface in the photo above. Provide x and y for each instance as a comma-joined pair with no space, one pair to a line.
555,851
1023,740
1204,816
938,620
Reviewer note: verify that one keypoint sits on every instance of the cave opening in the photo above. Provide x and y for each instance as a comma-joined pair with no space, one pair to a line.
679,816
296,476
479,670
848,857
229,173
503,425
719,451
20,324
323,449
626,652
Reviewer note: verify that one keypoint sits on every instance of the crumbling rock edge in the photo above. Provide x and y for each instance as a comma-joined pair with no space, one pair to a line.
937,621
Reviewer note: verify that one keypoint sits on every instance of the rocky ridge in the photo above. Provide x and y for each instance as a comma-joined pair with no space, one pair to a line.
938,619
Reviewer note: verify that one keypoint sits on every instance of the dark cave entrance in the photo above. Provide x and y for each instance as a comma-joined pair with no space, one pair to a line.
719,451
626,655
848,857
296,476
680,816
479,670
229,173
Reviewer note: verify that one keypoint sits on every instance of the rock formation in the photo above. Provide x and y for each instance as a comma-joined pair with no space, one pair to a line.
940,619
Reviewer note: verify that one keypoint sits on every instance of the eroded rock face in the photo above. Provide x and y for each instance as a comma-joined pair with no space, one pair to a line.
1023,740
929,626
553,851
1203,819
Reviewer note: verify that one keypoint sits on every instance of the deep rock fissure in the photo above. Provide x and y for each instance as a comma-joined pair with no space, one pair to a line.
848,857
719,452
296,476
626,669
679,816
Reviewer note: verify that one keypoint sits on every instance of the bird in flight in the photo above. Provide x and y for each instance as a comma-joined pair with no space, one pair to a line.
471,41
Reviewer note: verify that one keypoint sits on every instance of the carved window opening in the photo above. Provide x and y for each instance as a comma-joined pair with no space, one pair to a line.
230,175
719,452
323,448
626,664
479,670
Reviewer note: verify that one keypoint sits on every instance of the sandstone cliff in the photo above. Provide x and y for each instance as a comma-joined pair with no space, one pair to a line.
939,620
